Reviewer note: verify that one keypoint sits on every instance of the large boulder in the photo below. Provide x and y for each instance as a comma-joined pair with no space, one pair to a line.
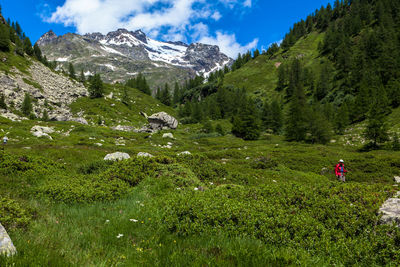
390,210
160,121
117,156
6,245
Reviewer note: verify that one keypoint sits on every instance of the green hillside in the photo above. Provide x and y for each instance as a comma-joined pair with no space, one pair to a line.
260,76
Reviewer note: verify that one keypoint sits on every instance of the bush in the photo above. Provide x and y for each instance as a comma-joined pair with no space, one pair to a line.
204,168
13,215
94,167
11,164
333,220
132,171
82,189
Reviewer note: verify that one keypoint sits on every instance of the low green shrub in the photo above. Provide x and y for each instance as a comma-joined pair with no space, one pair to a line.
12,215
11,164
95,166
132,170
82,189
333,220
204,168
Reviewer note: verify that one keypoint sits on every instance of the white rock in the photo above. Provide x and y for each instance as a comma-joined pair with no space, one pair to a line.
117,156
6,245
42,131
144,154
99,144
168,135
397,179
184,153
390,211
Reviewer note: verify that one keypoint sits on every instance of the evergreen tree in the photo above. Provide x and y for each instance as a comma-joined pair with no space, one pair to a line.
342,119
96,88
26,107
176,97
281,78
166,96
245,123
319,127
197,113
4,38
28,46
71,70
219,129
37,52
82,77
158,93
45,115
19,47
276,117
376,130
3,104
297,116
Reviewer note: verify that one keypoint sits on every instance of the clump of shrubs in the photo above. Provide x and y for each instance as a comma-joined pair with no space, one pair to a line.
13,215
82,189
205,169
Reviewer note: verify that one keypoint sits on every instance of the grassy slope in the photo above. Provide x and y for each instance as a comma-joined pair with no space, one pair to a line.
114,112
260,76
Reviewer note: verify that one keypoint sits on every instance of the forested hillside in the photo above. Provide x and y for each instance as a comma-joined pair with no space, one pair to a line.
339,66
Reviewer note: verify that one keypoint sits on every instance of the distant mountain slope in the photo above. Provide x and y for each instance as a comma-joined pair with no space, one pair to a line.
122,54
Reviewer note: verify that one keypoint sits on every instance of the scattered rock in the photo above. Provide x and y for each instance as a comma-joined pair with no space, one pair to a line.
397,179
40,131
184,153
98,144
168,135
123,128
80,120
144,154
6,245
117,156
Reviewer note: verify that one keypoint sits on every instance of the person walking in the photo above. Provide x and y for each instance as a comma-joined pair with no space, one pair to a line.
340,171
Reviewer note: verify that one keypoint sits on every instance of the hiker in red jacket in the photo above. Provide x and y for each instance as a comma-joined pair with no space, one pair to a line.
340,171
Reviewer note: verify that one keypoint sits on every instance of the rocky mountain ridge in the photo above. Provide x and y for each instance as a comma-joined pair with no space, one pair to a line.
122,54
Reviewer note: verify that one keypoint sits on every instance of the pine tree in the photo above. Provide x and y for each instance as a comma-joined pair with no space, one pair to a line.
4,38
19,47
28,46
71,70
219,129
319,127
37,52
96,88
276,116
197,113
26,107
166,96
45,115
3,104
176,97
82,77
245,123
125,97
297,116
158,93
342,119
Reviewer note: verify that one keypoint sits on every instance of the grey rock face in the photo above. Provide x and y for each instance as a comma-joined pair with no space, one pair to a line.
117,156
6,245
53,91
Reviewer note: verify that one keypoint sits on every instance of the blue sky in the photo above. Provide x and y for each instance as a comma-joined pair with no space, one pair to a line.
234,25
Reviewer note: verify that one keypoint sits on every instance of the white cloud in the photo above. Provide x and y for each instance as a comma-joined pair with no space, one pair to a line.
176,20
247,3
216,16
228,43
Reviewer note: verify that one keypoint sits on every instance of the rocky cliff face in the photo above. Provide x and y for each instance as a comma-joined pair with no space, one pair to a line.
122,54
48,90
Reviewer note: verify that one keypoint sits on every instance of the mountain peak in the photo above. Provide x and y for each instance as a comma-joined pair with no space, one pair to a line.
47,38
